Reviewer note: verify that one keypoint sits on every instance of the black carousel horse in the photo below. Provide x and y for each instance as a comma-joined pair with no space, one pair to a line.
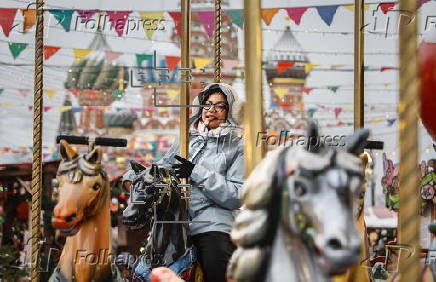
157,201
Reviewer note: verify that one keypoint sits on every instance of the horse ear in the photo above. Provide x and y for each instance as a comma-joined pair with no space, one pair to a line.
137,167
94,156
67,152
357,141
312,139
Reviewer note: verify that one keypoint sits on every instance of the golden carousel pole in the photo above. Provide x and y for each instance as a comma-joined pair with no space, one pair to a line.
217,41
253,115
37,142
358,64
186,64
408,108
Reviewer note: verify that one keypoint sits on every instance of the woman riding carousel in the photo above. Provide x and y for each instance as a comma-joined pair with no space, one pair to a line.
215,169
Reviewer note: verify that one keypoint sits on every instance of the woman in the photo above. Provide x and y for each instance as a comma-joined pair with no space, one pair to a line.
215,169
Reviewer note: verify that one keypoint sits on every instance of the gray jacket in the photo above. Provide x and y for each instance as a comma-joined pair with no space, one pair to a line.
217,178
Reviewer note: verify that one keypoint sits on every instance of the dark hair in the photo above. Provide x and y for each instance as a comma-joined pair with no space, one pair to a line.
214,88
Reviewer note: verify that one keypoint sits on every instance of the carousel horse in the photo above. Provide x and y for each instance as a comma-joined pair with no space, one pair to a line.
82,214
298,222
157,201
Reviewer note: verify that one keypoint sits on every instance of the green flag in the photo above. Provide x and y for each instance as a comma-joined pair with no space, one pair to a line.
333,88
142,57
237,17
63,17
17,48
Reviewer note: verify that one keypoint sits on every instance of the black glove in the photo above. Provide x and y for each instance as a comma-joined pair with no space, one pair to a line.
184,169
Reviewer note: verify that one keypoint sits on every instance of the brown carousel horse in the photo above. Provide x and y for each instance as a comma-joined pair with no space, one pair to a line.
83,215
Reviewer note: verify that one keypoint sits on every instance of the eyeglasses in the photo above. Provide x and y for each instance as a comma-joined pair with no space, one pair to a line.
219,107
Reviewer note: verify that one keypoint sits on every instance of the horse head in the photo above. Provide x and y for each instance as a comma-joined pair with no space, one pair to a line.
307,195
321,188
83,188
146,193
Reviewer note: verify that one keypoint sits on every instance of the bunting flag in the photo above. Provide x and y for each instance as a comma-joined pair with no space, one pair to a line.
268,14
172,62
172,93
280,92
382,69
311,111
142,57
7,17
391,121
176,16
385,7
118,20
1,91
333,88
207,19
17,48
237,17
49,93
283,66
80,54
64,17
308,67
29,18
351,7
201,63
75,92
24,92
338,110
152,17
387,84
112,56
50,51
326,13
229,65
86,15
306,90
47,108
296,13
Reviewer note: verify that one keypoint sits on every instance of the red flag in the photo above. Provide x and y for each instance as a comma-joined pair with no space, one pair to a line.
50,51
296,13
284,65
338,110
47,108
307,90
385,7
382,69
177,21
118,20
7,17
172,62
75,92
24,92
111,55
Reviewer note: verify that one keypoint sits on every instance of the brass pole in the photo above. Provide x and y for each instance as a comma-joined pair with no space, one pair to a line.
217,40
253,115
358,64
37,141
186,64
409,220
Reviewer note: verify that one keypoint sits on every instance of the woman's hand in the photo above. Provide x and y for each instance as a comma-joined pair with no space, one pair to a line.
163,274
184,169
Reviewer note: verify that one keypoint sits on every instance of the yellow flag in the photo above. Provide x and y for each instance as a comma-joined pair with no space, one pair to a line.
351,7
152,22
172,93
64,109
387,84
309,67
201,63
162,110
280,92
268,14
49,93
79,54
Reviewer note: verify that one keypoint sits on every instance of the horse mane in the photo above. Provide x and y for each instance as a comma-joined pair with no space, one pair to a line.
79,166
255,226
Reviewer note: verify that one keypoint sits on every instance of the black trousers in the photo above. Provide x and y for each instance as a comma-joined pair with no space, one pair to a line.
214,252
